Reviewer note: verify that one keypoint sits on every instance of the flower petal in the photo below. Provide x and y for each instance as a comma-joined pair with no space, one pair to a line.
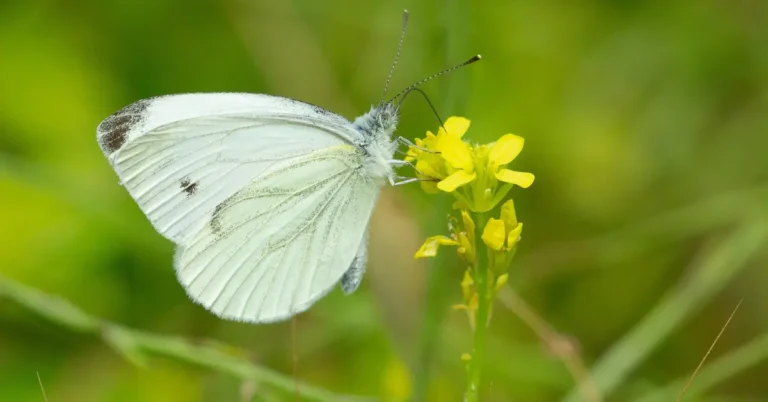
469,225
522,179
508,215
505,150
455,181
514,236
466,286
457,153
456,126
459,205
474,302
428,169
430,246
501,281
494,234
414,151
429,187
466,247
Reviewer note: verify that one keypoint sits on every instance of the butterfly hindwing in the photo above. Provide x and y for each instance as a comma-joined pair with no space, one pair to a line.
282,242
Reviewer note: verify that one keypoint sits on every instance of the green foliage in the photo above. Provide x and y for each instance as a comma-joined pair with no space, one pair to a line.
644,122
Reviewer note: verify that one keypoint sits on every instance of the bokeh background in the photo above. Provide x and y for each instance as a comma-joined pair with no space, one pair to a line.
645,122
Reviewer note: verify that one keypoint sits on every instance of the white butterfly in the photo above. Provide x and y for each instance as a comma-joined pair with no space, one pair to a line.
268,199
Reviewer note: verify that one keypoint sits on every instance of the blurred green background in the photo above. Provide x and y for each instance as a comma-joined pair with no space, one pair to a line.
645,124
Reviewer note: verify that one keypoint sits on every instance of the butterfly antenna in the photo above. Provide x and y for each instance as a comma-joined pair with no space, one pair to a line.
471,60
397,55
426,98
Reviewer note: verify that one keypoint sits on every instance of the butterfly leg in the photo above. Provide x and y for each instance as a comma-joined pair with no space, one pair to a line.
400,163
404,180
410,143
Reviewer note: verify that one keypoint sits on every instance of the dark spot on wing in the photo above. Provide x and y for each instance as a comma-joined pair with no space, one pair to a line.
188,187
215,219
352,278
113,131
112,140
191,189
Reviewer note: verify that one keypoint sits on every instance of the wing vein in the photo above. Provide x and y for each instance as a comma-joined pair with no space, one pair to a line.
272,247
325,241
292,196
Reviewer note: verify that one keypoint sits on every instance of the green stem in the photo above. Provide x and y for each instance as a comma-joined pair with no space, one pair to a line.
483,308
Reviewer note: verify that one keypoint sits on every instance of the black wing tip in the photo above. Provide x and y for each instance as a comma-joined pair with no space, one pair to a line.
113,131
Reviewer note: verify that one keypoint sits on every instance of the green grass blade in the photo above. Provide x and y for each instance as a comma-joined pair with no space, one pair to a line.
715,372
709,275
137,346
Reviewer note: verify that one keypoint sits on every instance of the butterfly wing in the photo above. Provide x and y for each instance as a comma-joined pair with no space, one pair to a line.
180,156
265,196
279,244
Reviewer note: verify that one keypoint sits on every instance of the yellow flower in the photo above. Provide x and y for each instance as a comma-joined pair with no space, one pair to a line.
467,286
494,235
430,152
512,226
467,237
462,236
475,174
501,281
458,155
503,234
508,214
430,246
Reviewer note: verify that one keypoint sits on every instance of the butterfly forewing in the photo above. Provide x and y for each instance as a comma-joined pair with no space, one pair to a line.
180,156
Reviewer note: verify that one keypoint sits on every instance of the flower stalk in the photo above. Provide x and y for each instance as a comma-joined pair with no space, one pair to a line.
474,365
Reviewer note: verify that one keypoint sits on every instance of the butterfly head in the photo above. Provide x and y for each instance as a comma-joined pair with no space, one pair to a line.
386,116
379,123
